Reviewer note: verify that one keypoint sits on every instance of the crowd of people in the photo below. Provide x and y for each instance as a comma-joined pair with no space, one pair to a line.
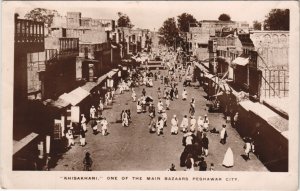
193,129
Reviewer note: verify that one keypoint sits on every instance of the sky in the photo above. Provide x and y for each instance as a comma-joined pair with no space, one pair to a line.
151,15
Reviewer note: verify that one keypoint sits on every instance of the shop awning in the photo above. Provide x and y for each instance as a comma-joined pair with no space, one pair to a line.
18,145
209,76
201,67
89,86
75,96
272,118
240,61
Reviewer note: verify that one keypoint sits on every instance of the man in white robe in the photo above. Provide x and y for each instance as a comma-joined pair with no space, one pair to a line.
174,125
193,124
184,124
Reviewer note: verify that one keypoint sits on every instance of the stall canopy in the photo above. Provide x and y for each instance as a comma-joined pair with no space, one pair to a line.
272,118
201,67
241,61
89,86
75,96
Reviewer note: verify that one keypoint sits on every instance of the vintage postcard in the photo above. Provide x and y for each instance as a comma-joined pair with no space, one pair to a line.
150,95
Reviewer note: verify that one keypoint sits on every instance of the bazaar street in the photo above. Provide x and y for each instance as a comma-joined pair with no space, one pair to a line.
134,148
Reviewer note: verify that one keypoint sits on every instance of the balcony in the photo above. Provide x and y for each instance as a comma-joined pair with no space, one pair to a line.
29,35
63,46
68,46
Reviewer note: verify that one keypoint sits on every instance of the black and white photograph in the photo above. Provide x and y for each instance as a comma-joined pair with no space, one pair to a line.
153,86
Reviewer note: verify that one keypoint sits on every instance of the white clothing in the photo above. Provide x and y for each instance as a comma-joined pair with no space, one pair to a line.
159,106
83,123
160,126
184,95
248,148
222,134
104,126
92,112
184,123
188,140
164,116
193,124
174,125
200,123
167,103
206,123
228,158
138,108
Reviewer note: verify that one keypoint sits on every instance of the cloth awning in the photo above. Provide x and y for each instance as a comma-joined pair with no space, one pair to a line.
272,118
209,76
201,67
89,86
18,145
240,61
75,96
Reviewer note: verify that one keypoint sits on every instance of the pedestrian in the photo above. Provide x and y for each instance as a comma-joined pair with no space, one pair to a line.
159,126
124,119
100,108
200,123
87,162
155,76
159,93
70,138
247,148
144,92
104,124
193,124
94,125
83,122
192,107
138,107
176,93
235,120
174,125
152,125
184,124
167,103
128,115
228,158
113,92
223,135
205,143
164,118
188,139
184,94
93,112
160,106
205,123
166,93
212,167
172,93
106,97
82,137
133,95
144,106
189,163
202,164
172,168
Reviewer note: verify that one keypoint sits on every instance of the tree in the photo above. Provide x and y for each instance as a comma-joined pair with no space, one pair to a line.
184,20
224,17
42,15
256,25
278,19
124,20
168,32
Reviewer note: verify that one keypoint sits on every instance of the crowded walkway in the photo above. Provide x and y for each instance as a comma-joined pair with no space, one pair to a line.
133,147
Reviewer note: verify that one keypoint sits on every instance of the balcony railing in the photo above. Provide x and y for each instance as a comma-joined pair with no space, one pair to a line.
68,45
29,32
